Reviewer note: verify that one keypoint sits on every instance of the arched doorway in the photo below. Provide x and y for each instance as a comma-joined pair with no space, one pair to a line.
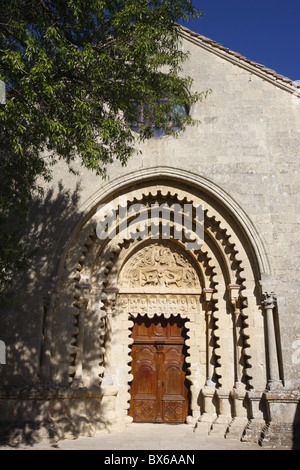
106,284
160,292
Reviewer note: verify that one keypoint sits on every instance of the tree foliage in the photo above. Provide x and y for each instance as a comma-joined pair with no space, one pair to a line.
74,71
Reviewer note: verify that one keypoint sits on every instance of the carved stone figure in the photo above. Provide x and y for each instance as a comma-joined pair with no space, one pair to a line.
159,265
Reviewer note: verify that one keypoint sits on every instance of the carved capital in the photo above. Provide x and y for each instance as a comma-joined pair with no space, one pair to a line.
234,293
208,293
110,296
80,303
269,300
84,286
111,290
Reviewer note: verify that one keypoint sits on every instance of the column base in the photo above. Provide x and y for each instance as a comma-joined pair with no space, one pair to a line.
220,425
108,413
205,423
209,414
239,422
236,428
253,430
274,385
257,411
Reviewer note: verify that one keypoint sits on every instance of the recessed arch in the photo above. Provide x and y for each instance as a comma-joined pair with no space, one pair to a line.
174,178
228,266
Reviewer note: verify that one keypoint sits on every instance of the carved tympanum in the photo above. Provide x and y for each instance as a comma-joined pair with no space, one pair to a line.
158,265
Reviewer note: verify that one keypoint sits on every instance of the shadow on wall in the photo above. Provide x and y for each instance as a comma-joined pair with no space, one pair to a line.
22,319
42,414
31,408
50,218
296,430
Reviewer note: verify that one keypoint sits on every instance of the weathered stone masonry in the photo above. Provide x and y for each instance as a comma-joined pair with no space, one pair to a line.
68,364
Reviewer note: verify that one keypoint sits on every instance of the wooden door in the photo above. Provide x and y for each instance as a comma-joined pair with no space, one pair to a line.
159,392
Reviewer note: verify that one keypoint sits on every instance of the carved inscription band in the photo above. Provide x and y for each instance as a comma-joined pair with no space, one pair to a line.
152,304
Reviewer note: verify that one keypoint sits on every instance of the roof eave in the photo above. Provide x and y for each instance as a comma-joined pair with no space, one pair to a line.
236,58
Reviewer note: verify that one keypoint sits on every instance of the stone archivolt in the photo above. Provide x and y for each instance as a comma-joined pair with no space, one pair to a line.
116,280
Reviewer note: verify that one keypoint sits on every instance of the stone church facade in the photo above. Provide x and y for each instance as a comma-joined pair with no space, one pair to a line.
110,330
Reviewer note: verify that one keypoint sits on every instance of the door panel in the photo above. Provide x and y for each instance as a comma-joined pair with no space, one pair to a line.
175,396
158,330
158,392
144,387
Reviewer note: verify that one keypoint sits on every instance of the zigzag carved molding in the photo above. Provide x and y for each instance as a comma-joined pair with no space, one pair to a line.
226,243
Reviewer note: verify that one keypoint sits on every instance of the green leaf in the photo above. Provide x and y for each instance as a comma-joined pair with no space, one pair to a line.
72,71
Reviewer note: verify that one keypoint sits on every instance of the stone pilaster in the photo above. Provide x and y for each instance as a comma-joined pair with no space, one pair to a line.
234,293
240,419
82,300
208,293
209,413
257,422
50,299
220,425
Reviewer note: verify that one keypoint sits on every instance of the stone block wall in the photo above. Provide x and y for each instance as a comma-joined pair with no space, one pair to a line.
247,144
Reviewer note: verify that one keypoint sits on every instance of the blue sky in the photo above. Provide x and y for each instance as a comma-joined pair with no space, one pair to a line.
265,31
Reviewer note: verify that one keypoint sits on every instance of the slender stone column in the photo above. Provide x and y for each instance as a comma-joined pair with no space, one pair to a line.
209,351
234,290
269,303
49,303
111,418
208,392
110,297
209,336
238,349
82,302
240,419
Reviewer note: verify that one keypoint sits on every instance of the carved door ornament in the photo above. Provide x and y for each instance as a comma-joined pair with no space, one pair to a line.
159,280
